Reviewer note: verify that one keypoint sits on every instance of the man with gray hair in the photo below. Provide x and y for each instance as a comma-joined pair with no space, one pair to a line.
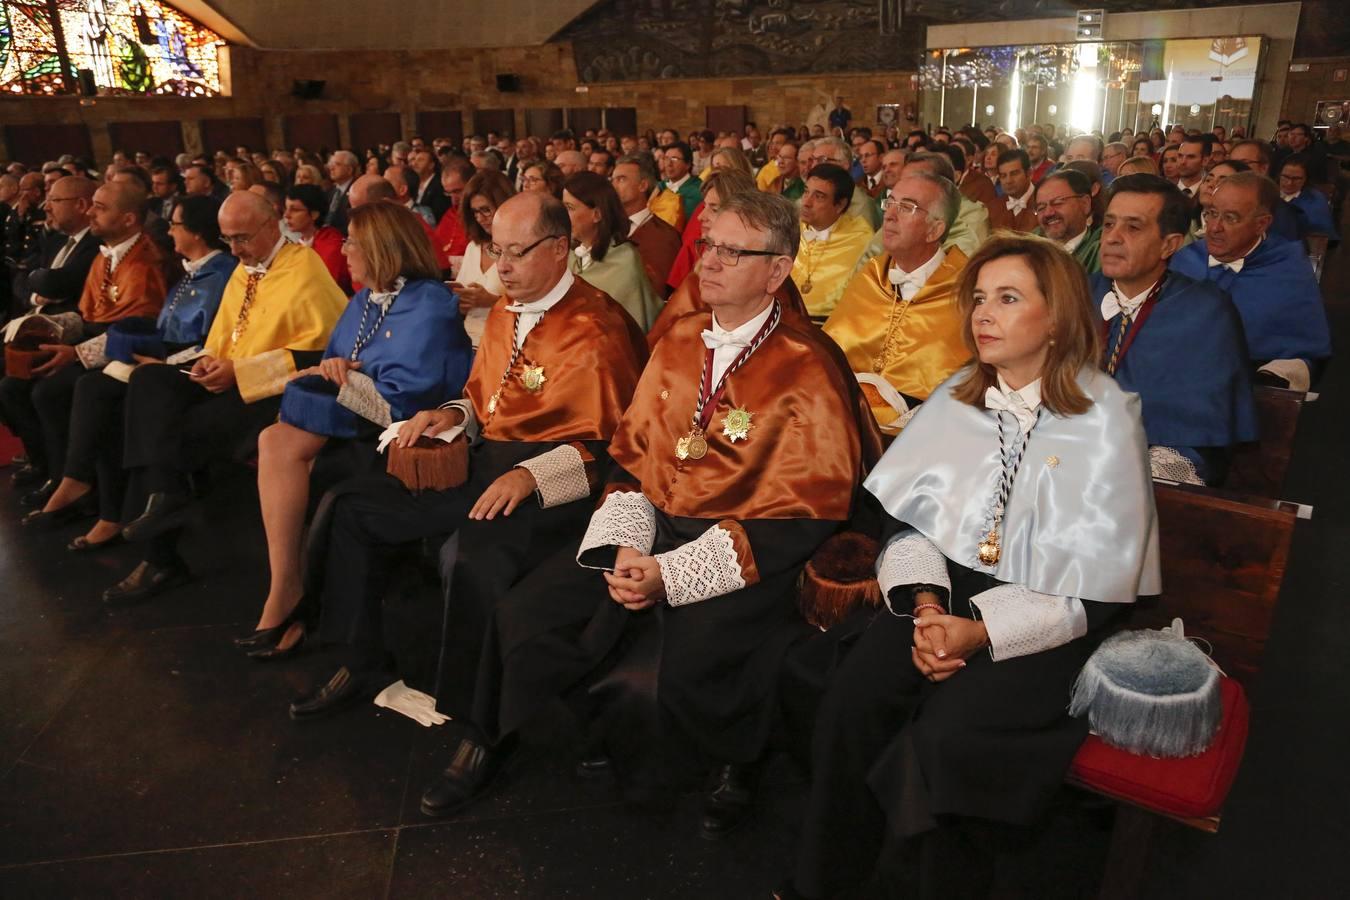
837,151
658,243
398,154
897,321
343,167
689,586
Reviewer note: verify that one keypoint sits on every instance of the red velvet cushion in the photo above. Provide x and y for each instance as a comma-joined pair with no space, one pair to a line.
9,446
1190,787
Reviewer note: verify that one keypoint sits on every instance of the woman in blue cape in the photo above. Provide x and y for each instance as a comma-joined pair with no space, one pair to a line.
1019,520
94,451
399,347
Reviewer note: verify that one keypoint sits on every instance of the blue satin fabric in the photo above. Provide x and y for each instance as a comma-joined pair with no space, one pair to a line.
187,321
1188,363
1080,520
1276,294
419,356
129,338
1315,216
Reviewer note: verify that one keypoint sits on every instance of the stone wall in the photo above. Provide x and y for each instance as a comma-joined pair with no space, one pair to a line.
1302,90
418,81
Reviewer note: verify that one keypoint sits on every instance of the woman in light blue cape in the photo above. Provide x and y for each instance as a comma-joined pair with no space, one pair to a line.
1020,520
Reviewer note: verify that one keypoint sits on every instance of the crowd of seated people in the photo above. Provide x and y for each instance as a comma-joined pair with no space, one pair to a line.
639,382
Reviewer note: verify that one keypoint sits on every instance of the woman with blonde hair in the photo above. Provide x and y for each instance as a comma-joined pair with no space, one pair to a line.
1019,521
399,347
309,174
241,174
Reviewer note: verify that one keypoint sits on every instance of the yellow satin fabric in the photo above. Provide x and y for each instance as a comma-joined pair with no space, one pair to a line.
592,353
668,207
926,342
767,176
828,268
296,305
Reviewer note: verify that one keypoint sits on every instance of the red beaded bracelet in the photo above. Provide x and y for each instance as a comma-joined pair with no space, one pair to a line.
923,606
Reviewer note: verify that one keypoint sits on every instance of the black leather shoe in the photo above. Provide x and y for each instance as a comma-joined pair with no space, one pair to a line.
274,652
466,779
164,511
144,582
27,475
36,499
729,804
38,520
592,767
344,689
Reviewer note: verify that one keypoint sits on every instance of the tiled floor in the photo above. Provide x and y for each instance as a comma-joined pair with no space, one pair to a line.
141,756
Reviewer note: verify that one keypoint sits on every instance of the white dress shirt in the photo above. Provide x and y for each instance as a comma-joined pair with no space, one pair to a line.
1074,243
1115,301
727,345
912,282
530,313
638,219
117,252
262,267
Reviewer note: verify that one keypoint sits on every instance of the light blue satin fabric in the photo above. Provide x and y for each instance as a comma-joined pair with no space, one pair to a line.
1080,519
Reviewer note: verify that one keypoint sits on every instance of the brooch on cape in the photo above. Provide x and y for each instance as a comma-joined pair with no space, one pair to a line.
736,425
533,378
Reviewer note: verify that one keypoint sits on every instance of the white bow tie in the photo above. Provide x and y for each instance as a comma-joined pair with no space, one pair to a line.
583,254
525,308
1013,403
1113,304
812,234
384,298
106,251
902,279
1234,266
1016,205
715,341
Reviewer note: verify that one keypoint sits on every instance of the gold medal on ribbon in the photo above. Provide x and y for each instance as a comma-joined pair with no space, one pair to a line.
806,288
736,425
691,446
533,378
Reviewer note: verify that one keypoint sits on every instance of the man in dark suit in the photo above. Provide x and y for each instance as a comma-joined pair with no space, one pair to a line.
430,193
343,167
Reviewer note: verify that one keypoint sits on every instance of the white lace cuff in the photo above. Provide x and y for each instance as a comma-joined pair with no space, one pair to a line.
706,567
1021,621
911,558
1294,371
92,353
1169,465
559,475
624,519
470,420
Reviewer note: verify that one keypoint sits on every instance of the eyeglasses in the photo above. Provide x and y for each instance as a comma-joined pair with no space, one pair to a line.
902,207
531,179
496,252
1056,204
729,255
235,239
481,212
1229,219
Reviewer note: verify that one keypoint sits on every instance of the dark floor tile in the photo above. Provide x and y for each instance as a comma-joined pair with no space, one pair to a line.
181,741
332,867
37,677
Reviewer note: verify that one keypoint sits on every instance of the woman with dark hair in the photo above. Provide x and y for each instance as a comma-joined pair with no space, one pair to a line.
94,453
542,175
1142,146
274,172
602,254
306,207
399,347
1019,521
477,285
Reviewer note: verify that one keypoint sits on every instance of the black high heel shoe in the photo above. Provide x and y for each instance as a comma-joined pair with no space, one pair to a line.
82,508
275,652
269,637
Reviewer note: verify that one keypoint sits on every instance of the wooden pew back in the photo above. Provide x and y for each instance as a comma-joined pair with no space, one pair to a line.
1259,468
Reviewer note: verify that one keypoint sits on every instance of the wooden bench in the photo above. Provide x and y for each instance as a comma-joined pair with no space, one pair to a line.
1260,468
1223,558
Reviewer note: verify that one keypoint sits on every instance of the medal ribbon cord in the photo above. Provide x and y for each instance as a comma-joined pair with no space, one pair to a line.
1010,458
1129,326
708,398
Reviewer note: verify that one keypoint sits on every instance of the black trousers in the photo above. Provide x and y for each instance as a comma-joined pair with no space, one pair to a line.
94,447
53,397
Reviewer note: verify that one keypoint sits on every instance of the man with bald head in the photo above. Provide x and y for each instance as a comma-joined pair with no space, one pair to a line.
57,278
275,317
404,182
554,371
1269,278
571,162
127,280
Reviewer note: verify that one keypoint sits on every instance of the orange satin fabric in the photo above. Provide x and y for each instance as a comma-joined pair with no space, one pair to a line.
139,280
592,353
687,299
803,457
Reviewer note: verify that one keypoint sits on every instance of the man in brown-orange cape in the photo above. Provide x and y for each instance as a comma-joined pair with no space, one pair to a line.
556,368
738,457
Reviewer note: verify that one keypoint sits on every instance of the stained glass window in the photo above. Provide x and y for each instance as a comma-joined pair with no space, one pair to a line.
130,46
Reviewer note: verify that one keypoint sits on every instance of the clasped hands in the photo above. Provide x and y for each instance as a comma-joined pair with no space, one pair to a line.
635,584
943,643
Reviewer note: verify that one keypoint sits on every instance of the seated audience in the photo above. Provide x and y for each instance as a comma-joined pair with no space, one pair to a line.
304,214
832,240
342,168
1269,279
275,317
602,253
998,595
412,352
1018,211
897,320
404,182
679,179
1313,207
431,191
788,180
543,176
94,451
557,367
707,519
450,237
1063,206
477,283
657,243
727,183
1174,341
55,280
837,152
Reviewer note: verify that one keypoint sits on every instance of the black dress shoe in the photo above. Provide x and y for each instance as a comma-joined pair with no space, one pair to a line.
39,520
275,652
466,779
82,544
36,499
344,689
27,475
164,511
144,582
592,767
729,804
